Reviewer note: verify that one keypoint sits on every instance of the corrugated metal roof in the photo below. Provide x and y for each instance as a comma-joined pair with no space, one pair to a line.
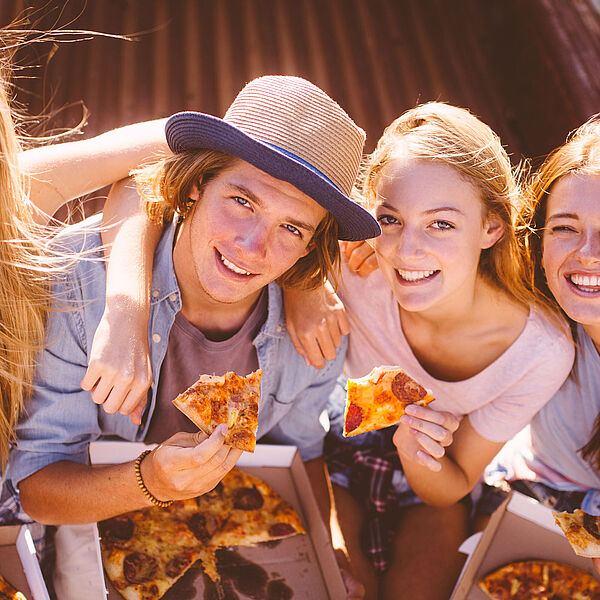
530,68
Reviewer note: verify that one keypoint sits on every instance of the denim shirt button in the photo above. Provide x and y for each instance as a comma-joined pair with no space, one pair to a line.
173,297
278,328
156,338
155,293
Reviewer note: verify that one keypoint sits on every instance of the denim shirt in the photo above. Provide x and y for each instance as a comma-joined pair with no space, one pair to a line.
61,418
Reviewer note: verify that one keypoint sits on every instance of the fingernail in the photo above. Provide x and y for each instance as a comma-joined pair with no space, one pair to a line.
222,429
411,409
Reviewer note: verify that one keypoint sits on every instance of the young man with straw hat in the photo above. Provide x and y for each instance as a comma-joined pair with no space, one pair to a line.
261,198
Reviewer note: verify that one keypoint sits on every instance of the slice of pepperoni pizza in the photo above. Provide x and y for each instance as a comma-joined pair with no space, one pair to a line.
380,398
255,512
540,579
8,592
145,552
229,398
582,531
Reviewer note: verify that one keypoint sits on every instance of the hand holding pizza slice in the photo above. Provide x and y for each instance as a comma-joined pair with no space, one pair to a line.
230,399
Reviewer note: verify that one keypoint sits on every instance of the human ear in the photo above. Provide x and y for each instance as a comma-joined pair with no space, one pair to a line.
309,248
194,192
493,229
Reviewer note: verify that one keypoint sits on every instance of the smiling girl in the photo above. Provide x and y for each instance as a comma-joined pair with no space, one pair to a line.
451,306
557,458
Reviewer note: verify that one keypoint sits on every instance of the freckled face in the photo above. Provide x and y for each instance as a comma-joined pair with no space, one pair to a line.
434,229
246,230
571,246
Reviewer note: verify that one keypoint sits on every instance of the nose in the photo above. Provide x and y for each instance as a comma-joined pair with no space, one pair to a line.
252,241
589,251
409,244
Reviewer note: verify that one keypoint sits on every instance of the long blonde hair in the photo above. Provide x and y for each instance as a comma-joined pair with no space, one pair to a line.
455,137
24,277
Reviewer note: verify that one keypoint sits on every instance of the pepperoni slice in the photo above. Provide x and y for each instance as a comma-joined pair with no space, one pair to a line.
404,388
202,526
248,498
281,530
354,417
177,564
139,567
118,528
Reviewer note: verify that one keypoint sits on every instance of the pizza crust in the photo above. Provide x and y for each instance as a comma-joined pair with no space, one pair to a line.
8,592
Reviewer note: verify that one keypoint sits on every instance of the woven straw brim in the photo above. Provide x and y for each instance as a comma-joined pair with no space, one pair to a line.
194,131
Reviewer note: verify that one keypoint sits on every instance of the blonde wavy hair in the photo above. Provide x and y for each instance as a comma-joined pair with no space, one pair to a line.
166,187
25,271
454,137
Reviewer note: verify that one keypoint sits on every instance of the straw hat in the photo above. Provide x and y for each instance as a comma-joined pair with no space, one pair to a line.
292,130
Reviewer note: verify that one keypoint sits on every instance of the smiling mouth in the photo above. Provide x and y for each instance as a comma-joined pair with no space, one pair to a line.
232,266
415,276
586,284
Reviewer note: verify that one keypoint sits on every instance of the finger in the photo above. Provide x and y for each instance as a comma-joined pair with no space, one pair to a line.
313,352
91,377
101,391
326,345
596,563
445,419
177,455
135,396
361,253
349,249
432,430
427,461
297,343
369,265
430,446
334,333
137,413
343,323
114,400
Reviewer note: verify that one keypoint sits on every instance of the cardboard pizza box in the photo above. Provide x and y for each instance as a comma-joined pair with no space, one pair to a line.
521,528
303,565
19,564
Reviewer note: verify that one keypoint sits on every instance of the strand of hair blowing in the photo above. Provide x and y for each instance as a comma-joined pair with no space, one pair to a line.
24,290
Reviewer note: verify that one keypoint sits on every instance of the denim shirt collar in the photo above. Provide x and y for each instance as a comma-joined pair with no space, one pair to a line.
164,280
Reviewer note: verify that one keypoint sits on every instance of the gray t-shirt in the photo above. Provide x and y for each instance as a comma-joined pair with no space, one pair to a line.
191,354
566,423
548,449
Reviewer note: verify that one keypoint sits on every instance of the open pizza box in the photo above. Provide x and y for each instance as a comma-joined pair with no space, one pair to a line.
19,564
521,528
304,563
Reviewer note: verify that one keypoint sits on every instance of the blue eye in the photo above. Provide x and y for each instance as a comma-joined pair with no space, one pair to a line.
387,220
241,201
442,225
293,229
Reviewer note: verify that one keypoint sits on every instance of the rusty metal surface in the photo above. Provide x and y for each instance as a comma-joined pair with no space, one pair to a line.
530,68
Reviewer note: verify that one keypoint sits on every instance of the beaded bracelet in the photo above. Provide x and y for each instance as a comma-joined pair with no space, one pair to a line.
142,485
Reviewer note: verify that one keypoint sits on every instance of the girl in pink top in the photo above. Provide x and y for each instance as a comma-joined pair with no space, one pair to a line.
451,305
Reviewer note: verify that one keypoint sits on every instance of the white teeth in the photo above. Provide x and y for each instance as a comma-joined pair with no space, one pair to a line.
414,275
585,280
233,267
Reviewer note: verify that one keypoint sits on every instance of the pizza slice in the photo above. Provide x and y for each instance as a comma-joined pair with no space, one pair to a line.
229,398
541,579
255,513
8,592
379,399
582,531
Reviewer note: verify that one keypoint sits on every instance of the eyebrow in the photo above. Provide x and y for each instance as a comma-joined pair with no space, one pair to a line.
427,212
252,196
562,216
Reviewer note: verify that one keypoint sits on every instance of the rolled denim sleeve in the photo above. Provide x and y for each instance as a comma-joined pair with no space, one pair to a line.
303,425
60,419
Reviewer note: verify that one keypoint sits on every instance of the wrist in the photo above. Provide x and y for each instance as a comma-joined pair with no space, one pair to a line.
146,483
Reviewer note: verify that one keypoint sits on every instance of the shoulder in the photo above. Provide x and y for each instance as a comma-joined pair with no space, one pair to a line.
80,237
550,337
